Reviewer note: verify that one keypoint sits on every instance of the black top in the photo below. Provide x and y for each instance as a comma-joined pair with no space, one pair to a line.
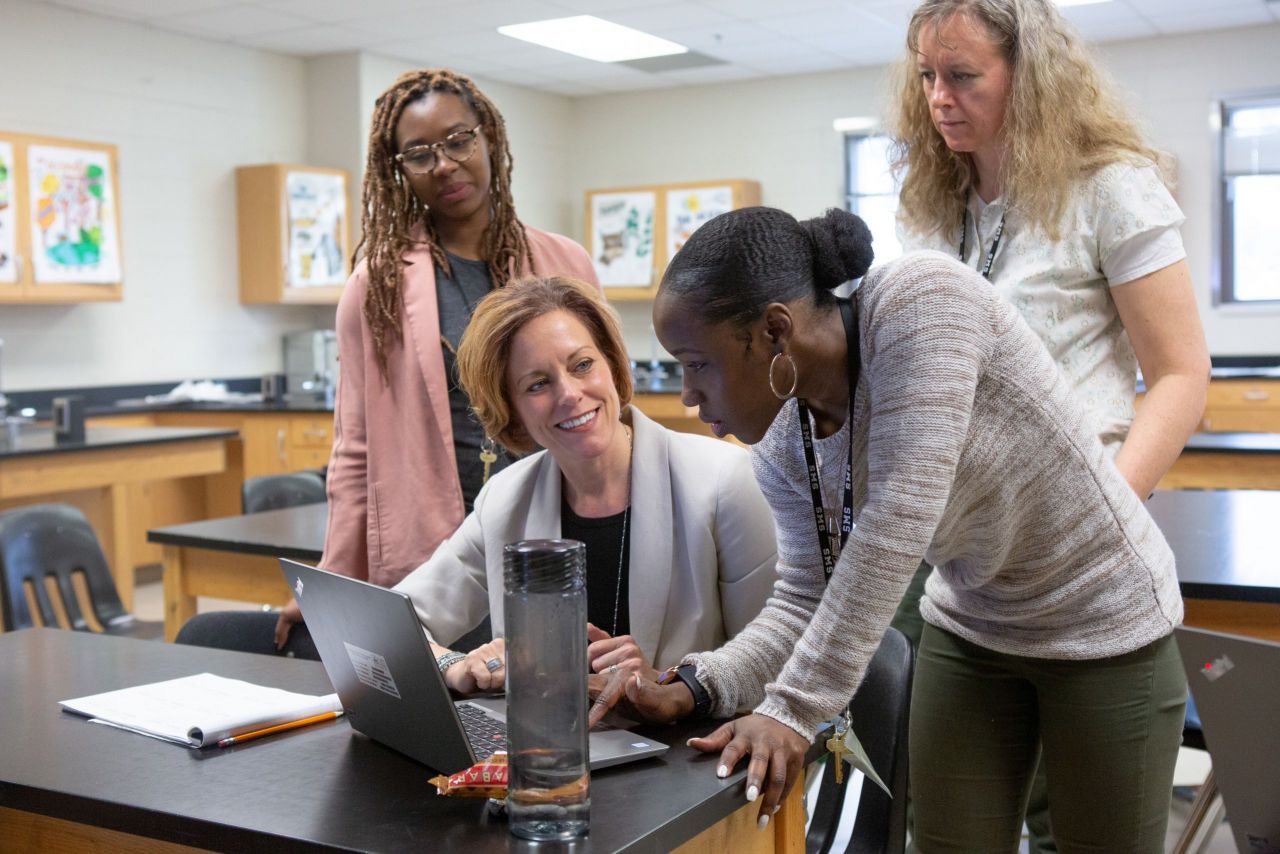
607,576
317,788
456,298
41,440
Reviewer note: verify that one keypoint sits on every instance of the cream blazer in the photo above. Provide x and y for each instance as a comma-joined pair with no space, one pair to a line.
704,570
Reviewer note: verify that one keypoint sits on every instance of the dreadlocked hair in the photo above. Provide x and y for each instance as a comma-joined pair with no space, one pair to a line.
390,209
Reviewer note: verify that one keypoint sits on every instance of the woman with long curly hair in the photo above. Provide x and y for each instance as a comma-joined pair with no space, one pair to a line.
1020,159
439,232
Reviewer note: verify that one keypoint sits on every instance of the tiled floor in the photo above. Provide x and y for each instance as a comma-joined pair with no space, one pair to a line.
149,605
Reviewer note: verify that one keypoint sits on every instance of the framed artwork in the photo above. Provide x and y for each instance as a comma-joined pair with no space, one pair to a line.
73,215
316,205
620,226
690,207
8,215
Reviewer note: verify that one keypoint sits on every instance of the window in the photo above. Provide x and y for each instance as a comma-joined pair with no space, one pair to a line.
1250,186
871,193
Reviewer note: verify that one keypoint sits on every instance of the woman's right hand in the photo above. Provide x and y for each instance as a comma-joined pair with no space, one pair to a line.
473,673
290,615
638,698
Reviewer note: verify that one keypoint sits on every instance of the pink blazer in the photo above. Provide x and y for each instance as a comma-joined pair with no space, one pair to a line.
393,482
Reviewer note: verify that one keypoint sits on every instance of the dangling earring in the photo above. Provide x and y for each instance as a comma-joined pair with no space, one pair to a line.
795,376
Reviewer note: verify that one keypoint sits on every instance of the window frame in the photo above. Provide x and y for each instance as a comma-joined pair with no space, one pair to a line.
851,140
1224,262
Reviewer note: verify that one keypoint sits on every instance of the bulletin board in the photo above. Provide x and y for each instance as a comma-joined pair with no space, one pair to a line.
60,235
633,232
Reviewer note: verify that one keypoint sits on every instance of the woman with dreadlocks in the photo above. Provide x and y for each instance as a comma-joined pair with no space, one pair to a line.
440,231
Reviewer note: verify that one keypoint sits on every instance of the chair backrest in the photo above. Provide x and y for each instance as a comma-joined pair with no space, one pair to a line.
879,710
54,541
276,491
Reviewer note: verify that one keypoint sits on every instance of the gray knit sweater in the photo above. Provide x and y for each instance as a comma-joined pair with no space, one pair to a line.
969,450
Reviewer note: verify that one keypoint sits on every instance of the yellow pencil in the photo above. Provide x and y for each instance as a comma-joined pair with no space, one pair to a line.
258,733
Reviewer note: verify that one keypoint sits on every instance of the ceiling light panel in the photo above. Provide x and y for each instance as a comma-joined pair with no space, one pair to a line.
593,38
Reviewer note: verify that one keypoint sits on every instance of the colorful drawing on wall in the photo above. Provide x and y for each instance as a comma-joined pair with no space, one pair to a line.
317,227
74,233
687,209
8,224
622,238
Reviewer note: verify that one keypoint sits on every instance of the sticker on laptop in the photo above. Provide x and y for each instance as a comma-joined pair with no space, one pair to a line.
372,670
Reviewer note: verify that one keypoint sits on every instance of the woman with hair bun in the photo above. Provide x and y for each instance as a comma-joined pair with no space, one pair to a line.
931,423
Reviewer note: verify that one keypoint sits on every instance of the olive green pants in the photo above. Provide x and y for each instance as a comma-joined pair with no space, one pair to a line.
1109,730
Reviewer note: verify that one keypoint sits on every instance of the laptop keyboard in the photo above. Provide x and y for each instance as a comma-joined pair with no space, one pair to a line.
485,734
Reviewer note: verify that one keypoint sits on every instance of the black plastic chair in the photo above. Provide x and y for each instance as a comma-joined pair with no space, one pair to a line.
879,710
276,491
56,541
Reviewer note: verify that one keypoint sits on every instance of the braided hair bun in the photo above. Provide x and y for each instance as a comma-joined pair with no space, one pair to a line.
841,244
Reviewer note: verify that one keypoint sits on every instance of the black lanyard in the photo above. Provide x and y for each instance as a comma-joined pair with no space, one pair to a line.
825,541
995,244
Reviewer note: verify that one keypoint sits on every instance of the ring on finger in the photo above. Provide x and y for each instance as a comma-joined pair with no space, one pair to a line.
493,664
612,668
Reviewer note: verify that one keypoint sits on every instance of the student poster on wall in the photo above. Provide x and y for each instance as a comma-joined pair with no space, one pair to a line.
74,233
622,242
8,219
687,209
317,206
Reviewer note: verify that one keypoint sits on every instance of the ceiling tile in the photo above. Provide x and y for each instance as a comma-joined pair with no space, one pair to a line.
232,22
309,41
712,74
141,10
329,11
659,19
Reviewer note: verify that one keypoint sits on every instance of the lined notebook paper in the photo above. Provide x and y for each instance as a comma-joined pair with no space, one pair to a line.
199,710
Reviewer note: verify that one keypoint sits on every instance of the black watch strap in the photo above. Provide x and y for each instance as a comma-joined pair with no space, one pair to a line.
688,674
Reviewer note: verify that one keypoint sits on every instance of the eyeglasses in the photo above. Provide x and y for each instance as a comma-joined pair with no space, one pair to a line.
422,159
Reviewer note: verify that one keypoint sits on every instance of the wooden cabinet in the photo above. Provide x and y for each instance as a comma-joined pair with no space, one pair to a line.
293,232
633,232
1242,406
59,221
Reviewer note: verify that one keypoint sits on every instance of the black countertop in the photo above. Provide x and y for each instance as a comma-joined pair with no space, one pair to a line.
318,788
294,532
40,440
1223,541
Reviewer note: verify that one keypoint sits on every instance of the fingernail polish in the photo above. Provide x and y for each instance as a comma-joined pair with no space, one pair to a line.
689,743
763,822
775,809
722,771
753,792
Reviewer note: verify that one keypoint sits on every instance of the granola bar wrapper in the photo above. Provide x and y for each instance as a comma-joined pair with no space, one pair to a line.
486,779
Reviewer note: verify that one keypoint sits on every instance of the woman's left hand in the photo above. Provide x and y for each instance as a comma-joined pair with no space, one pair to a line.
607,654
777,754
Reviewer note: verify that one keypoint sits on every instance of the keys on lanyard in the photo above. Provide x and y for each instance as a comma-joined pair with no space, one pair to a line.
488,456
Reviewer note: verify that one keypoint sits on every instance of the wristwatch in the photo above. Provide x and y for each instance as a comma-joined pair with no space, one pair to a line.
448,659
688,674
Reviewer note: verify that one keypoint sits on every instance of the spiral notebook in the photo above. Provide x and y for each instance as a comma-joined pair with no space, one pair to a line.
199,710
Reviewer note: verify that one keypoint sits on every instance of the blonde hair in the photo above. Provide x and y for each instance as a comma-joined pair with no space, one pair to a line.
486,347
390,209
1062,120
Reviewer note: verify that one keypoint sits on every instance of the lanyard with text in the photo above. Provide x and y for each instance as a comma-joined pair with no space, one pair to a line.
826,541
995,244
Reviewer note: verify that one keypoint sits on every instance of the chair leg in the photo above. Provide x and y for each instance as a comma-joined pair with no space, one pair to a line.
1206,813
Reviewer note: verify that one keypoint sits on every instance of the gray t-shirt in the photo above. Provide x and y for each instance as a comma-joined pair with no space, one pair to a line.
456,298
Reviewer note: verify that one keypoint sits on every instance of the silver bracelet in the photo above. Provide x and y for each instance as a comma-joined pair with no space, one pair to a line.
448,659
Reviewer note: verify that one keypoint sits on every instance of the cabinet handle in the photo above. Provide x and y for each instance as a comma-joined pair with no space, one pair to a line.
1256,394
315,434
280,446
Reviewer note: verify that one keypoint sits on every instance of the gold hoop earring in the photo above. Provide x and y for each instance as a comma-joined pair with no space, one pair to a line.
795,376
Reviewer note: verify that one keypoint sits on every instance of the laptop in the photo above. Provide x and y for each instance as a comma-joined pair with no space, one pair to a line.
1236,685
378,659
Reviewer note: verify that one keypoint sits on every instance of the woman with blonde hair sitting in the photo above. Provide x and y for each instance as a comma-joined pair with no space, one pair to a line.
680,542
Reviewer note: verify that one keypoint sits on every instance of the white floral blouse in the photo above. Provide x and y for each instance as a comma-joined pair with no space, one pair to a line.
1121,225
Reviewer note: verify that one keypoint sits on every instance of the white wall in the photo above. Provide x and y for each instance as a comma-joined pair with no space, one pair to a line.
183,113
778,132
